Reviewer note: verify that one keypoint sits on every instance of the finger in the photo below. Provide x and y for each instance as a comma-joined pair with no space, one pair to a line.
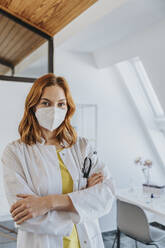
97,181
29,216
96,174
93,174
100,179
22,195
96,177
15,205
21,214
94,182
17,210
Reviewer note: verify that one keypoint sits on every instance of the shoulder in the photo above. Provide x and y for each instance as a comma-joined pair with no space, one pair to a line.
83,145
11,148
12,156
82,141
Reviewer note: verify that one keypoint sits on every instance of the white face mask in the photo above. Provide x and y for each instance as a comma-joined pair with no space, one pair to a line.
50,117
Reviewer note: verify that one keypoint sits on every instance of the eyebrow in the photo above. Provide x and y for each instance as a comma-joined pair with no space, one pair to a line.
49,100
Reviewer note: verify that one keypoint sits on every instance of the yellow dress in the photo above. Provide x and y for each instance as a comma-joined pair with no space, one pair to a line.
71,241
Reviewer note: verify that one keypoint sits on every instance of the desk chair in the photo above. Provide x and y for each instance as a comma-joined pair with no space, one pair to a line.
132,221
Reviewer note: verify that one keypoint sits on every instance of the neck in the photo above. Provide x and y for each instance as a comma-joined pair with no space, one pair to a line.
49,136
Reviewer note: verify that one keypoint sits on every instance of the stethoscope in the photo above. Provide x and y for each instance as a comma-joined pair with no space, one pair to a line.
87,165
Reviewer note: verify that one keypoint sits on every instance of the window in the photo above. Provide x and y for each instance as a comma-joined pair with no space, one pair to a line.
145,101
147,87
84,121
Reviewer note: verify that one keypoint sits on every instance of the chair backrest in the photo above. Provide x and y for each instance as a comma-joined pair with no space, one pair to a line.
132,221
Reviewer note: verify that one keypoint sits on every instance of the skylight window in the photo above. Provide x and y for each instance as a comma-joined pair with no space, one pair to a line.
147,87
145,102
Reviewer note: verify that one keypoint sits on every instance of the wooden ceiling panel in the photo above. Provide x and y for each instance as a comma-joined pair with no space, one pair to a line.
3,69
49,16
28,49
8,34
16,42
3,23
26,25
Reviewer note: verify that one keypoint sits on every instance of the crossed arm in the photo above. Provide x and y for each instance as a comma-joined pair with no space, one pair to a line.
31,211
31,206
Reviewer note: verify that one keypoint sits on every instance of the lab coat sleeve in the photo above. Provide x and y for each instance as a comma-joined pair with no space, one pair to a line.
82,183
53,222
95,201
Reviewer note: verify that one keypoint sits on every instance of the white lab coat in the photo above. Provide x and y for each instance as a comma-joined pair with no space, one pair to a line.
35,170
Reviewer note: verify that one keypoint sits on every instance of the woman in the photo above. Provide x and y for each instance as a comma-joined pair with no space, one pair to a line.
53,205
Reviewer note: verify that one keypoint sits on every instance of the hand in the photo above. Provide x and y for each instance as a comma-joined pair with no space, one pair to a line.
94,179
29,207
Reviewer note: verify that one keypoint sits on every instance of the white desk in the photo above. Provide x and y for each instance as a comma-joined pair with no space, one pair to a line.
137,197
156,206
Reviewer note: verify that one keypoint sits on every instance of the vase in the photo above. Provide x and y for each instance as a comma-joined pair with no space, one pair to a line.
146,173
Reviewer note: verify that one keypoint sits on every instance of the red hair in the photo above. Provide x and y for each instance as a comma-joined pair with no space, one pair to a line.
29,129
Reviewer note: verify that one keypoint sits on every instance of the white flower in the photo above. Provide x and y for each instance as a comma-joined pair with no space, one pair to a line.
148,163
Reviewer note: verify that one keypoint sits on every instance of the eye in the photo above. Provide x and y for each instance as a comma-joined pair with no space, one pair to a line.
60,104
45,103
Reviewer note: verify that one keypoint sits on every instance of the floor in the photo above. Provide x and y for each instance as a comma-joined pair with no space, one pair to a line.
126,242
5,241
108,238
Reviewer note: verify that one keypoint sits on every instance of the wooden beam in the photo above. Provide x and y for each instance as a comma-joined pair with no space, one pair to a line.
17,79
51,56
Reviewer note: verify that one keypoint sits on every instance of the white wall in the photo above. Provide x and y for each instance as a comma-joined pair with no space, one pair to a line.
149,46
12,98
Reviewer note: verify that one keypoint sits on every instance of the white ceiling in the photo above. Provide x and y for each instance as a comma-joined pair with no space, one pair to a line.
106,23
91,15
132,17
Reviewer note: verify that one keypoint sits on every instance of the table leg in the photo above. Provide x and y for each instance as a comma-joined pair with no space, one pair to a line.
118,238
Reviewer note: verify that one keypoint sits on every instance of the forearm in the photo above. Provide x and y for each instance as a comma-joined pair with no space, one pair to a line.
61,202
